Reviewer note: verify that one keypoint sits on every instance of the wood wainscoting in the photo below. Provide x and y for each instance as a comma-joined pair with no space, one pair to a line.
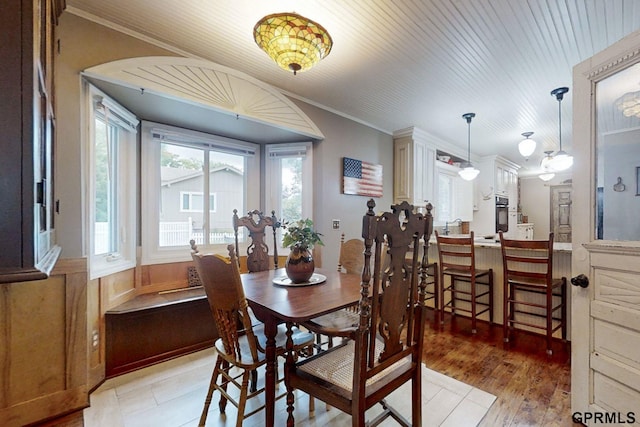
43,345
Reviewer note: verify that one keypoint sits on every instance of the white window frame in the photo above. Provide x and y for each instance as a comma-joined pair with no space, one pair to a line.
151,251
449,203
212,201
274,153
97,102
460,196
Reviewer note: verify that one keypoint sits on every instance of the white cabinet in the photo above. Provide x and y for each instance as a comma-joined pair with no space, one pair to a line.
525,231
413,170
419,177
506,180
498,177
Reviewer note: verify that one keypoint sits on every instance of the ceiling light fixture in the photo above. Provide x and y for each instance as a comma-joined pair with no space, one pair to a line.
527,146
468,173
547,173
294,42
629,104
561,160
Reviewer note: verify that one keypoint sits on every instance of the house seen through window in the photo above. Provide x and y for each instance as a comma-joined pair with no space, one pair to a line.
186,174
179,167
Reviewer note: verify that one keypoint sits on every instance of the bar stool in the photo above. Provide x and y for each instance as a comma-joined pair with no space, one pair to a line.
528,269
432,290
457,260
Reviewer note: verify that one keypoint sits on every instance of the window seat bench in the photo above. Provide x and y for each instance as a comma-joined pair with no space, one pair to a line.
155,327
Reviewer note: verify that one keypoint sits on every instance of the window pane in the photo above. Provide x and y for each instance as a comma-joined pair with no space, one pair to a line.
101,240
105,176
618,154
445,201
291,178
186,201
180,176
226,189
196,202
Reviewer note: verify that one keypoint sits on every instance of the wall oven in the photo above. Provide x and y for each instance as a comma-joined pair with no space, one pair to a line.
502,214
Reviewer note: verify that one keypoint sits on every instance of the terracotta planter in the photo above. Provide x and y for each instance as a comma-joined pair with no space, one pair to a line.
299,265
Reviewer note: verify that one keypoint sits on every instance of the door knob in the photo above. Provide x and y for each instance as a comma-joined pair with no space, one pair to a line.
580,280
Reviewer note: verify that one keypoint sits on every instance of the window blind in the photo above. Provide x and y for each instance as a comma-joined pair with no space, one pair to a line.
220,144
279,151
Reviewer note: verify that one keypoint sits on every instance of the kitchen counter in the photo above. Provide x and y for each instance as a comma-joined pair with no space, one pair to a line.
492,243
489,255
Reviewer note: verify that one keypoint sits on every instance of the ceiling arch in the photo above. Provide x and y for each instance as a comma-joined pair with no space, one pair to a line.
209,85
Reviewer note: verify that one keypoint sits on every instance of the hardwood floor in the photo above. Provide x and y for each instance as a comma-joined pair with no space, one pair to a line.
532,389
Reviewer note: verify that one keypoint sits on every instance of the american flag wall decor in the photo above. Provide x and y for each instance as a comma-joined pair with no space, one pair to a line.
361,178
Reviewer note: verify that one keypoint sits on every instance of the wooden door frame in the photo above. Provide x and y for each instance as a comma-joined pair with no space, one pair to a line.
586,75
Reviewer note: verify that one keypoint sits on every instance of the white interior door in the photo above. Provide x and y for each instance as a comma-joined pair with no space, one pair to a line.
605,363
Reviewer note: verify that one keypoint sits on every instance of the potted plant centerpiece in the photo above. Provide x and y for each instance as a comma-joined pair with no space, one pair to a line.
300,238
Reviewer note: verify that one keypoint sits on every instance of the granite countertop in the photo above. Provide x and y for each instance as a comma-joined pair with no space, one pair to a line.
491,243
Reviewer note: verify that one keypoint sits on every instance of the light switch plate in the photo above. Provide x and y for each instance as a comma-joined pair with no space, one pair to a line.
336,224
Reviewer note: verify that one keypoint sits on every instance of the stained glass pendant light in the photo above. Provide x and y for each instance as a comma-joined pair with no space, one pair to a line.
468,173
561,160
294,42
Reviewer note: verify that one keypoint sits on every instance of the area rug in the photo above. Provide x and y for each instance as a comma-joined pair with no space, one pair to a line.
445,402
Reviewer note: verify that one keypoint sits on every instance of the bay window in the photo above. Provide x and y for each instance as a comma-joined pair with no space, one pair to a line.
111,152
289,180
179,167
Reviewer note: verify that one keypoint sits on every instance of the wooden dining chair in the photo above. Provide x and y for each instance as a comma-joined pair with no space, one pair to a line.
470,288
384,350
351,259
256,223
530,290
240,347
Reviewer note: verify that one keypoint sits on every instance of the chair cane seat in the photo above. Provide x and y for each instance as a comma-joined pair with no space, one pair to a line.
244,356
336,366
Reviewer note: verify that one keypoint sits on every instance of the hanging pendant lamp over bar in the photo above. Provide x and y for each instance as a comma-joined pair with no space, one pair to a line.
468,173
561,160
527,146
547,173
294,42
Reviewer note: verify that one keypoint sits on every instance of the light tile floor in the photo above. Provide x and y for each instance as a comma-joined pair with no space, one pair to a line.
172,394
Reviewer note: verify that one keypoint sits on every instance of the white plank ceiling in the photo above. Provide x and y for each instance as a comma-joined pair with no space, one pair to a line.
403,63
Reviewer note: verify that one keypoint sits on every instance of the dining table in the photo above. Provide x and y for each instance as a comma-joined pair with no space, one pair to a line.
280,302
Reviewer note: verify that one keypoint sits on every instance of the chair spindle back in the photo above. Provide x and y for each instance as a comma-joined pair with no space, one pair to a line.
257,251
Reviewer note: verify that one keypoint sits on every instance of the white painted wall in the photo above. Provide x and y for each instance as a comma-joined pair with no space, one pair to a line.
535,202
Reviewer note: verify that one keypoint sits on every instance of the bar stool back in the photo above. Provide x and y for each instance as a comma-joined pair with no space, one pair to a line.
528,269
457,261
